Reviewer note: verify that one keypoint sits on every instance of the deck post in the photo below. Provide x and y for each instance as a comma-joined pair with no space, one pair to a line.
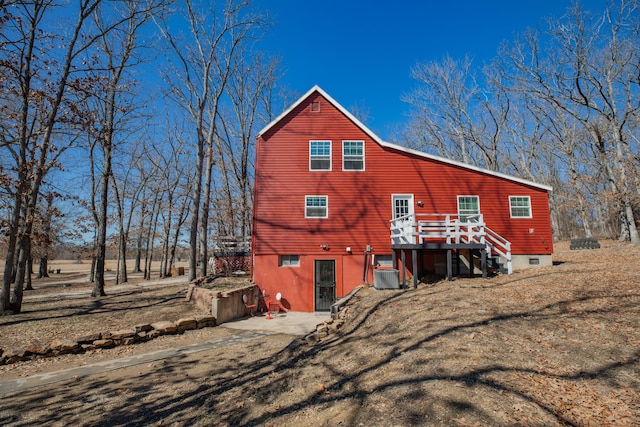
414,259
483,261
394,259
472,265
404,269
449,266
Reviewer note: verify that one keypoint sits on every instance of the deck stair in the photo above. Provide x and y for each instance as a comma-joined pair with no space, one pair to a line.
452,231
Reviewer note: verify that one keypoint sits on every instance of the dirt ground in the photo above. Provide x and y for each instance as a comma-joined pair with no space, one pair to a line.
554,346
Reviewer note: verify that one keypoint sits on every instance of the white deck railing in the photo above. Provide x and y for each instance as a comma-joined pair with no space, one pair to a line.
450,229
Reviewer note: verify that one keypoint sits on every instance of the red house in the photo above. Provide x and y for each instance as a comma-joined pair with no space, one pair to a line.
336,207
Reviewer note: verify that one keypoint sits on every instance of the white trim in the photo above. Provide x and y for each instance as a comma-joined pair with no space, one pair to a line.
511,211
411,206
468,195
326,207
289,265
330,155
392,146
363,162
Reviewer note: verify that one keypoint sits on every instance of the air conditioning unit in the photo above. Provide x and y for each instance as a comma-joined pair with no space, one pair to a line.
386,279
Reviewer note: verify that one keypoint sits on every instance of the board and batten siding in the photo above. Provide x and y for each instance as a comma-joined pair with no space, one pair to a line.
359,202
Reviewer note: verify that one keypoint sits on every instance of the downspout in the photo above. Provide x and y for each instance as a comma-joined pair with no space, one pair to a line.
366,267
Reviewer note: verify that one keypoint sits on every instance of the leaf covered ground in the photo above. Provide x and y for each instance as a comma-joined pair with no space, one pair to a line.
554,346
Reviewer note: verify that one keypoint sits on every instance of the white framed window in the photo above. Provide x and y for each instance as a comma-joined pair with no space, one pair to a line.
520,206
316,207
289,260
468,208
320,155
383,260
353,155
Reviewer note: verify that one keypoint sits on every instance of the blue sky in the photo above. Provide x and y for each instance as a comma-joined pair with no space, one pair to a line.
361,52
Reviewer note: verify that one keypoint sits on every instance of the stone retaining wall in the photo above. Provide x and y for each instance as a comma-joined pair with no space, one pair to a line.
106,339
224,306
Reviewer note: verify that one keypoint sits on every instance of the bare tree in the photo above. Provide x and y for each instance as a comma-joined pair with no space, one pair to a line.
248,89
203,60
455,115
590,72
113,102
172,166
43,91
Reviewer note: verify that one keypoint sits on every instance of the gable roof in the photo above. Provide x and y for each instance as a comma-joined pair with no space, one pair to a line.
390,145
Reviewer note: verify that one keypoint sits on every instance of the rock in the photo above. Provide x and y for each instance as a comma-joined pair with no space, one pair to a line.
89,338
334,327
108,343
322,334
322,328
165,327
65,346
14,354
87,347
122,334
105,335
128,341
153,334
144,327
205,321
39,349
328,321
186,324
142,336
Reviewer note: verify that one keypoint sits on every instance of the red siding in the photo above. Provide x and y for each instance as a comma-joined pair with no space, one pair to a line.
359,203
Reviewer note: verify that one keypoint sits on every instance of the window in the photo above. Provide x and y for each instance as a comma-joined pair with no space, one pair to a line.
353,155
289,261
520,206
383,260
320,155
468,208
316,207
315,106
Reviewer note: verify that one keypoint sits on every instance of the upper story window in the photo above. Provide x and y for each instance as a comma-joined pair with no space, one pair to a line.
353,155
320,155
468,208
316,207
520,206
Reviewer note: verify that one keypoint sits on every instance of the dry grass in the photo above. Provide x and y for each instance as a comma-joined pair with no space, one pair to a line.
555,346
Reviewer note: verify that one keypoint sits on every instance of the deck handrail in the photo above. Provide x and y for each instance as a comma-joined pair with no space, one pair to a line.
450,228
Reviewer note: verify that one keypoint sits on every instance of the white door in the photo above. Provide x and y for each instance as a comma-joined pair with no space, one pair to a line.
403,208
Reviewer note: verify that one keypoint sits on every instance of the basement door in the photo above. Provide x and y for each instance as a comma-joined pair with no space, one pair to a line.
325,284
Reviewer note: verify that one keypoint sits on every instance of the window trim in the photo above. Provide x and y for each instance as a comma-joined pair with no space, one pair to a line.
323,157
326,207
343,155
281,259
528,198
460,215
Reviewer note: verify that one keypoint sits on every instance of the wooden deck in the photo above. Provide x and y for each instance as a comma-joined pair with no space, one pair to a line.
450,232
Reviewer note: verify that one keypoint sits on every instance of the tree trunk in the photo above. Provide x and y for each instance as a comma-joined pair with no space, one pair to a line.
28,286
98,285
43,269
195,211
21,273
